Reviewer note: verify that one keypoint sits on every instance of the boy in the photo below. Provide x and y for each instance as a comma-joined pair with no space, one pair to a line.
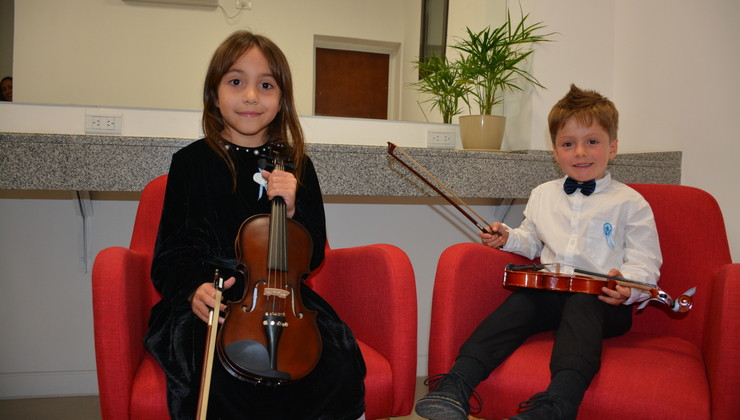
586,220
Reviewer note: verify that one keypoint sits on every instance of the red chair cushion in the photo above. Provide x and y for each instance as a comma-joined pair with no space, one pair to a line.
148,391
624,390
378,383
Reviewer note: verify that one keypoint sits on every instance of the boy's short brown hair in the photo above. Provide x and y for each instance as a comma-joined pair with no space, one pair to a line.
585,106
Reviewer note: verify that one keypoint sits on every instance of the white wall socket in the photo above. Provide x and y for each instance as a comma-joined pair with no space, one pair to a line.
441,139
103,124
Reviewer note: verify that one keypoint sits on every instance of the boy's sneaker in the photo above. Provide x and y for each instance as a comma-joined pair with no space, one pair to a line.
448,399
546,406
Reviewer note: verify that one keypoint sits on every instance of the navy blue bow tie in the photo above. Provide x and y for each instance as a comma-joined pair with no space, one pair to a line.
571,185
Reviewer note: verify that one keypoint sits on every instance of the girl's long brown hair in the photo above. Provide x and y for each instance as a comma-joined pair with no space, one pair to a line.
285,128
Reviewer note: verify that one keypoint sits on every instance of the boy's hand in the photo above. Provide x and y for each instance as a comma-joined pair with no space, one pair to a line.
204,299
492,240
618,296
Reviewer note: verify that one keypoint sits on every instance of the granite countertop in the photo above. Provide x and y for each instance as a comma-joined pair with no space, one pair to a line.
33,161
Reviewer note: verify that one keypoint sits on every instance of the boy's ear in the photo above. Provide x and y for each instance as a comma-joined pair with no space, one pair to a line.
613,148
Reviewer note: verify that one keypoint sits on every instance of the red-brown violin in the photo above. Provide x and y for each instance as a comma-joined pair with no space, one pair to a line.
529,276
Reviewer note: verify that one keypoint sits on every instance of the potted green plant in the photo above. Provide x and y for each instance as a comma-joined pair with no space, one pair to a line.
442,83
491,63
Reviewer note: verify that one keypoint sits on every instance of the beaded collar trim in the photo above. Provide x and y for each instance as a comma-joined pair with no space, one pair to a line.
242,149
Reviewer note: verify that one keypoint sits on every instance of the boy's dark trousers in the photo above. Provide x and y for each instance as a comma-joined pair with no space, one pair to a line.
580,322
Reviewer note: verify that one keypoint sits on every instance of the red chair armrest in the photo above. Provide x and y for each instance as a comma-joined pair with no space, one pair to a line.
120,279
467,287
722,341
373,290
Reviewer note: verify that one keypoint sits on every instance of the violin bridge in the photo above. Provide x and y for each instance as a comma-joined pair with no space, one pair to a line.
281,293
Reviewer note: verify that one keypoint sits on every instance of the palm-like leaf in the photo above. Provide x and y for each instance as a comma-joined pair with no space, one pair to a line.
491,60
442,81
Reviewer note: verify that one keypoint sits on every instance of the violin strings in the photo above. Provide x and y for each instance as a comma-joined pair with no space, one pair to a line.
270,260
281,248
283,256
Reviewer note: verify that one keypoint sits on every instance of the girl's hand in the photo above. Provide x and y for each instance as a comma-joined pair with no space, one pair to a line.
618,296
204,299
283,184
493,240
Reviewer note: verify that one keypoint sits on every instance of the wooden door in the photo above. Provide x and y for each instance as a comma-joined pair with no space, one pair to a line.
351,84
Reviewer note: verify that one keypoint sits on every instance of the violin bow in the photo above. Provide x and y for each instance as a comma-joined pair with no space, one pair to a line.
484,228
205,380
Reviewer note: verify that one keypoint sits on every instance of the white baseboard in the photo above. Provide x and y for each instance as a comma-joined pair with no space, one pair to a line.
48,384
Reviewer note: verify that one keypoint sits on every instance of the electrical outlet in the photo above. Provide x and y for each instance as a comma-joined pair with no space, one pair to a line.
441,139
103,124
244,4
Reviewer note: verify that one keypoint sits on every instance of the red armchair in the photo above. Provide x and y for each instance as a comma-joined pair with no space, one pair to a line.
668,366
382,293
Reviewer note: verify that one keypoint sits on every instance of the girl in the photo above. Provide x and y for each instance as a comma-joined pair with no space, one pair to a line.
212,188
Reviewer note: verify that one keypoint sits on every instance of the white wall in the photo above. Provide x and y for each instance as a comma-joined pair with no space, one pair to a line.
669,66
47,335
129,54
132,54
677,78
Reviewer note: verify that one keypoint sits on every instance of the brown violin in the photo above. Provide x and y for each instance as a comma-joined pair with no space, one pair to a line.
529,276
268,336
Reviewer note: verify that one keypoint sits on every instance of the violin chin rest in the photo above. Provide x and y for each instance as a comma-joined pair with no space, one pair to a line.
252,357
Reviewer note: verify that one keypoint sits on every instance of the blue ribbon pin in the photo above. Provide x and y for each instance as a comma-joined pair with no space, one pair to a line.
609,235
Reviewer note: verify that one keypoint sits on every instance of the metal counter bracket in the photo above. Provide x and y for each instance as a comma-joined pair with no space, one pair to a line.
84,211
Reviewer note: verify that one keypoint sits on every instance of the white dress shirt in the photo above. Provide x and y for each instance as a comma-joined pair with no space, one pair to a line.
612,228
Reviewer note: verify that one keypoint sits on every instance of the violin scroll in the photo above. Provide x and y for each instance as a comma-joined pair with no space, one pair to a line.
684,303
273,157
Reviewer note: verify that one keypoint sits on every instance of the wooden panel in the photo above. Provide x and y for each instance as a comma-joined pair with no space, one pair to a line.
351,84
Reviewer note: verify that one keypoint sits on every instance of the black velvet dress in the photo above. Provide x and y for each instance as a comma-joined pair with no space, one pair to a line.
200,220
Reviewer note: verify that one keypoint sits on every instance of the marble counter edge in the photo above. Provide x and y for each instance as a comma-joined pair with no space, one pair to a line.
34,161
